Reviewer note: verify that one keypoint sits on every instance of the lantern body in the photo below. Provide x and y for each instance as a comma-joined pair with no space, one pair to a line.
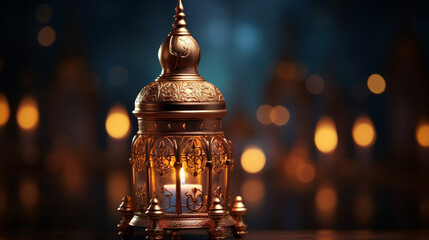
180,158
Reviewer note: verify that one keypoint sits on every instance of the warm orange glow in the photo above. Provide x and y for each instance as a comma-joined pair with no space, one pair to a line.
326,199
263,114
118,122
305,173
43,13
363,132
4,110
28,114
46,36
253,159
376,84
28,193
325,136
422,134
253,191
314,84
279,115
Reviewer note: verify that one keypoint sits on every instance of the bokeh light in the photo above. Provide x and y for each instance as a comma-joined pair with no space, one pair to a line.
363,132
4,110
279,115
325,136
118,122
118,76
253,159
305,173
263,114
28,193
43,13
253,191
314,84
28,114
46,36
326,199
422,134
376,83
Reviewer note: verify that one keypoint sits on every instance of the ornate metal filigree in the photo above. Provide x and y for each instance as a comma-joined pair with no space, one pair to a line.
218,194
194,157
179,91
194,199
165,198
141,197
161,156
138,154
219,156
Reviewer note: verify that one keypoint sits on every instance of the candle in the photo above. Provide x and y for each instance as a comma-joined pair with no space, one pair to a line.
184,188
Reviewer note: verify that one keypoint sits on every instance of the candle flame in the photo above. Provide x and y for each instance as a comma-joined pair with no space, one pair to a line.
182,176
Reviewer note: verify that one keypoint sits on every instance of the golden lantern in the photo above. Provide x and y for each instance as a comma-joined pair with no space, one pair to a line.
180,158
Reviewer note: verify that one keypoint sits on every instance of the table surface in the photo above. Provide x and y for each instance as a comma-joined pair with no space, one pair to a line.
264,235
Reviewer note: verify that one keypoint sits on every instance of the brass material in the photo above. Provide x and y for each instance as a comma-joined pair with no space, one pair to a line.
126,210
216,213
237,211
154,213
180,130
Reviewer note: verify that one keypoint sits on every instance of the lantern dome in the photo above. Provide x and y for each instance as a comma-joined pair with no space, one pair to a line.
179,91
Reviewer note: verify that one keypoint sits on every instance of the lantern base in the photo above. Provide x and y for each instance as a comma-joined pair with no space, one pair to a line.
172,221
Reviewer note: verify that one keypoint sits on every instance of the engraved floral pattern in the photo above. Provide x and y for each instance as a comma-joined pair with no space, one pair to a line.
138,154
194,199
219,155
179,91
162,157
194,156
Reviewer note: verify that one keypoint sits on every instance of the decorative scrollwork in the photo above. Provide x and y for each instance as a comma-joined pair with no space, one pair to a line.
218,194
161,156
165,198
138,154
194,199
194,157
219,155
141,195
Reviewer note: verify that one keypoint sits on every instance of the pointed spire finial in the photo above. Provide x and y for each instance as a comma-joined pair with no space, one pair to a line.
179,16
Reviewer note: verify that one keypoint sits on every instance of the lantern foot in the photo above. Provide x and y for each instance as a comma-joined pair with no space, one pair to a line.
237,211
216,213
154,212
125,230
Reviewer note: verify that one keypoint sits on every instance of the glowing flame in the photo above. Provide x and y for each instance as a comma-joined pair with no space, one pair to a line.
422,134
117,122
363,132
182,176
253,159
325,136
28,114
4,110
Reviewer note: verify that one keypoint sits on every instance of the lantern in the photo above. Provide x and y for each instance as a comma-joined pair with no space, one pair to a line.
180,158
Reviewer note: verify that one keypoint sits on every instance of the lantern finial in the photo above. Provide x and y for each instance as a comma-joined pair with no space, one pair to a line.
179,16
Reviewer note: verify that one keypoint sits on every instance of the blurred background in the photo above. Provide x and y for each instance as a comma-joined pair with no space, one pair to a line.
328,107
